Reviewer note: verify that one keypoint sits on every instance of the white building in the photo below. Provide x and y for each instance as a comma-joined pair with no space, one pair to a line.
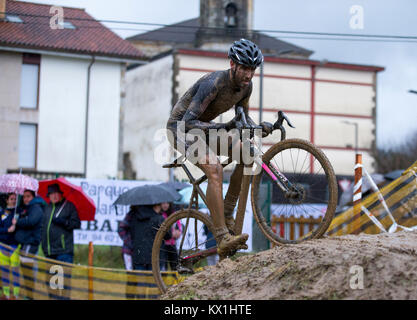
61,91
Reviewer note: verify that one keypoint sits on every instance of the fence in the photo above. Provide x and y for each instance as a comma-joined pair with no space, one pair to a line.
40,278
401,198
297,226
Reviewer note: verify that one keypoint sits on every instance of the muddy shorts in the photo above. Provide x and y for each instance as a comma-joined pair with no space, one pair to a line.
199,147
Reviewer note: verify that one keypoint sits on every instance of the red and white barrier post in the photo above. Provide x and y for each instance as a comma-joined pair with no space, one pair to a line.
357,194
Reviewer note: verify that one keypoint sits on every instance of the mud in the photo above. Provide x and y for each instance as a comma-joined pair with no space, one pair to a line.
327,268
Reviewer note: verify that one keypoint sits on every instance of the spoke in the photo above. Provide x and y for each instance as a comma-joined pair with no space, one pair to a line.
292,161
305,158
317,199
321,168
315,209
298,154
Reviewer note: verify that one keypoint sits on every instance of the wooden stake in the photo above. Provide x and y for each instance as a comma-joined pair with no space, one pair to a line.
90,270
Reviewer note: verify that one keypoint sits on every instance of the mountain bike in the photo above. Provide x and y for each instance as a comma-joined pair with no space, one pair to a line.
304,183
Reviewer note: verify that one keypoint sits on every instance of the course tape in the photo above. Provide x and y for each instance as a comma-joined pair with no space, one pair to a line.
400,196
37,280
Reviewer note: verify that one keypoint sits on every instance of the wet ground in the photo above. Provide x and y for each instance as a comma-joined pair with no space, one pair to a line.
362,266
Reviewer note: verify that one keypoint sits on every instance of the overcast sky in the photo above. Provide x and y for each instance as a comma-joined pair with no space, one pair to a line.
397,108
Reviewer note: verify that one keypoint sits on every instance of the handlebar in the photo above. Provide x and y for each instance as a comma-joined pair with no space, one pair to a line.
278,125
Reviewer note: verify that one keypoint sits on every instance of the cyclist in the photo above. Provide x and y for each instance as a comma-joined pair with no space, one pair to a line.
212,95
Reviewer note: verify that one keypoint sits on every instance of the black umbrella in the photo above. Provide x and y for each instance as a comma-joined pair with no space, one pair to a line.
147,195
393,175
176,185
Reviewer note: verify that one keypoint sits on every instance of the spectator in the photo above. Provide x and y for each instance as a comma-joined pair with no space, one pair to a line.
59,220
28,235
124,231
170,252
9,256
210,243
145,223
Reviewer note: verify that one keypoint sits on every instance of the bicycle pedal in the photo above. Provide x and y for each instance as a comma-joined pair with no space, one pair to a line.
234,251
184,270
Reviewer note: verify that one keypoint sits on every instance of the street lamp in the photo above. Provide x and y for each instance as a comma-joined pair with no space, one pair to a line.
356,133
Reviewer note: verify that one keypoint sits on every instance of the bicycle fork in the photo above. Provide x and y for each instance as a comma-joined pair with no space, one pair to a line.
289,189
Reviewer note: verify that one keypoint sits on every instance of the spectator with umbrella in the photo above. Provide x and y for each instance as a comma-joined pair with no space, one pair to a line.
146,219
59,220
67,206
9,252
28,222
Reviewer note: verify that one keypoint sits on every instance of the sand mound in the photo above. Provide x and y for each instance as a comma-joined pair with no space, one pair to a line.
382,266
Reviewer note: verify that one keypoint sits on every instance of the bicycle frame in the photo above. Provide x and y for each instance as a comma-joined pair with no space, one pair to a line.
275,174
270,169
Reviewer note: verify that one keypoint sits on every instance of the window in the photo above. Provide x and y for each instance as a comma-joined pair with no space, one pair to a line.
27,145
15,19
29,87
29,81
230,18
67,25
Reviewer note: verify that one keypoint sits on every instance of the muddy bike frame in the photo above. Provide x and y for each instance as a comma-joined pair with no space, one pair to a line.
283,183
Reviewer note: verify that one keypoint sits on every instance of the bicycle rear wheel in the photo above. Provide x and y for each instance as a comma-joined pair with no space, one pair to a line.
307,214
194,245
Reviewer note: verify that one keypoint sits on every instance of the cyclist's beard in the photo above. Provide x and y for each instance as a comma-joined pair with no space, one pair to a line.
234,81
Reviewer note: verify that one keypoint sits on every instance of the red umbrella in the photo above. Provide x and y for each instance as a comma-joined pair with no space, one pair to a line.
85,205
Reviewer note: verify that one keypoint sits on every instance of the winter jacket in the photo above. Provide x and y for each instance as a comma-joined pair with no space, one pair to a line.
29,223
144,226
57,232
5,223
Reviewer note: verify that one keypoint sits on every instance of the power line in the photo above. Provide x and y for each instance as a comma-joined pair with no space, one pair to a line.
378,36
280,37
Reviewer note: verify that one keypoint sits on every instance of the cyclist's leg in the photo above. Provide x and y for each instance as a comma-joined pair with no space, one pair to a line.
234,151
232,196
199,153
214,196
226,242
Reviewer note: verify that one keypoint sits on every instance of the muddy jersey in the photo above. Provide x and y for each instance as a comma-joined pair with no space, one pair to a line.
210,96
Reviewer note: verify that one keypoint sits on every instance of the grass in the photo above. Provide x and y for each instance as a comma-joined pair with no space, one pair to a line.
104,256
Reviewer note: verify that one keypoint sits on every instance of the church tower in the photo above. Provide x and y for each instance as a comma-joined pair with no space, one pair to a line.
224,20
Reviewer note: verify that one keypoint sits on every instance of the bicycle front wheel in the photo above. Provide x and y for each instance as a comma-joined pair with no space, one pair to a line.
172,261
305,213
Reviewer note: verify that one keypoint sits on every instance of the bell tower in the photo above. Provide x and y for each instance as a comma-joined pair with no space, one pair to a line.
223,20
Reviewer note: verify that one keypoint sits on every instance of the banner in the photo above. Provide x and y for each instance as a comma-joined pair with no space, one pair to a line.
103,230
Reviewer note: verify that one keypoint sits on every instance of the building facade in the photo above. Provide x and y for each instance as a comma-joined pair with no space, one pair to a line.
60,95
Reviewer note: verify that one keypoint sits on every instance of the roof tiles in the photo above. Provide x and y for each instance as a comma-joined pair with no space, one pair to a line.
89,36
